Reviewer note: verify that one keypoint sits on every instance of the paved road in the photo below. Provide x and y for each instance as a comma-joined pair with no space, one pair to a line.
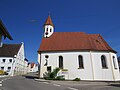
28,83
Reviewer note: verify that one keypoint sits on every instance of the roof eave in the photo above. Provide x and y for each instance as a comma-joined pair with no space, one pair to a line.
4,31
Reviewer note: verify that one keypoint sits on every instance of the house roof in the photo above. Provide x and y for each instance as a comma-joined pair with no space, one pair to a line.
9,50
74,41
4,31
49,21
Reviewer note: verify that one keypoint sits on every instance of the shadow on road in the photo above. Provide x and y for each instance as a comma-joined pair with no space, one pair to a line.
115,85
31,76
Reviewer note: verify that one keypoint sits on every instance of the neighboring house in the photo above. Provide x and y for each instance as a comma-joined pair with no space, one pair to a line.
4,32
12,59
77,54
26,66
32,67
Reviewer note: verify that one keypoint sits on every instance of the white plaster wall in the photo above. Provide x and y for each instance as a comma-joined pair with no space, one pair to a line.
116,72
109,74
92,65
7,64
20,63
70,61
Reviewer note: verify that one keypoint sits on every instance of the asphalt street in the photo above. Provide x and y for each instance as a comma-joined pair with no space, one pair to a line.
28,83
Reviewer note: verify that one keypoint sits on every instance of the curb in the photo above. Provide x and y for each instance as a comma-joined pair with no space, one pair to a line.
42,80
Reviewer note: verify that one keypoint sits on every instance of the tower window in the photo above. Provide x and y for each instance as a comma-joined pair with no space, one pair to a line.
80,62
104,62
114,63
60,62
47,30
50,30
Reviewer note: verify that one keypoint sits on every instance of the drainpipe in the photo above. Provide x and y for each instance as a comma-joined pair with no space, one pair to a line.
92,65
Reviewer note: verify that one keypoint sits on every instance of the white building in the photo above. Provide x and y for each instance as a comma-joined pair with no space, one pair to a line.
12,59
79,55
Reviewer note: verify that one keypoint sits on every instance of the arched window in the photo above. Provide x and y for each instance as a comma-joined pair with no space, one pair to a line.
47,30
104,61
50,29
61,62
114,63
80,61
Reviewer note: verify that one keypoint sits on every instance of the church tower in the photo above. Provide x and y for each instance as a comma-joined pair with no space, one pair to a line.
48,27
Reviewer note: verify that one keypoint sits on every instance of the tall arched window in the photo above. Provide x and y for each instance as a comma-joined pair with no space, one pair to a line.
80,61
114,63
104,61
61,62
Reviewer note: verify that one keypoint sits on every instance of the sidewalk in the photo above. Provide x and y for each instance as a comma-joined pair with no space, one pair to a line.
78,82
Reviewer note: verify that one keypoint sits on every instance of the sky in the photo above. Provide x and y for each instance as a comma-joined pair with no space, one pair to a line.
24,20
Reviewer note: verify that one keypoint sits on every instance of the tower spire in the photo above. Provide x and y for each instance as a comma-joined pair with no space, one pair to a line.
49,21
48,27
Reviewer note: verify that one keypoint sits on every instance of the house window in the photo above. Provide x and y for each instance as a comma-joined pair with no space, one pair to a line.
104,62
3,60
80,62
10,60
60,62
9,68
2,68
114,63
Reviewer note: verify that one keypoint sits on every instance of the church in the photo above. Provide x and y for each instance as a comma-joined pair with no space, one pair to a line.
77,54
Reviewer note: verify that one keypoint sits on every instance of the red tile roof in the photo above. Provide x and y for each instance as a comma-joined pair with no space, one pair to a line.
32,64
49,21
9,50
71,41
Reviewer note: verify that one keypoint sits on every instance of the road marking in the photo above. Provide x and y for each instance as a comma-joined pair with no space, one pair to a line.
0,85
1,81
56,85
46,82
72,88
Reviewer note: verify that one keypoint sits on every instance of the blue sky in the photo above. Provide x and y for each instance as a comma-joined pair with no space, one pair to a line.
90,16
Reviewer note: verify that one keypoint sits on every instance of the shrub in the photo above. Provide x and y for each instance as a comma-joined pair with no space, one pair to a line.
76,79
53,75
60,78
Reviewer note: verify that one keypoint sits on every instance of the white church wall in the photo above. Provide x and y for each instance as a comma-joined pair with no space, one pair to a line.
92,65
70,62
100,73
116,71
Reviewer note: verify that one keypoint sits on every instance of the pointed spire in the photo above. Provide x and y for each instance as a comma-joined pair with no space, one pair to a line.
49,21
